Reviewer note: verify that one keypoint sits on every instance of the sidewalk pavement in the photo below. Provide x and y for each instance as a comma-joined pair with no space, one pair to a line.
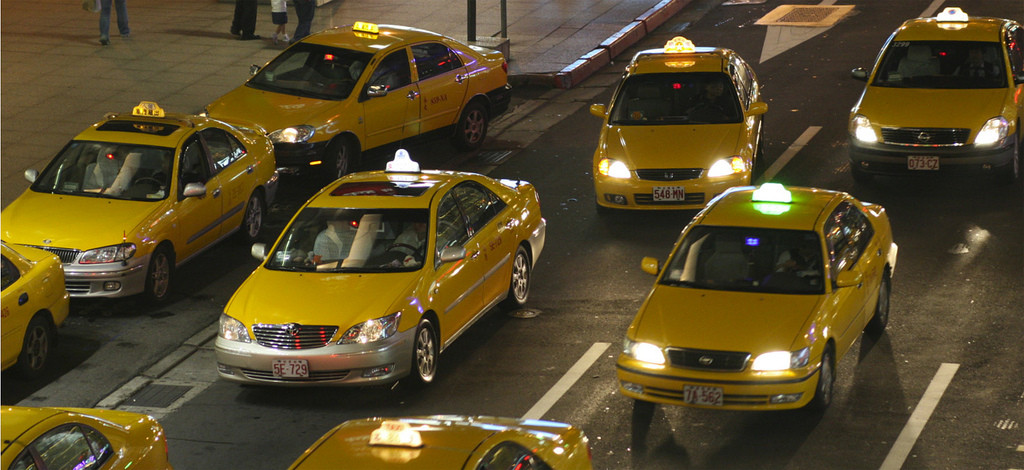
55,78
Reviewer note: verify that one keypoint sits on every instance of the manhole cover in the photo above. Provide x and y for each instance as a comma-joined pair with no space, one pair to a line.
157,396
805,15
493,157
524,313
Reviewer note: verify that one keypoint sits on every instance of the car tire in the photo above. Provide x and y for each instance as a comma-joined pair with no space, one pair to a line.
35,347
340,156
878,322
519,284
826,382
424,352
252,219
159,274
471,128
1010,172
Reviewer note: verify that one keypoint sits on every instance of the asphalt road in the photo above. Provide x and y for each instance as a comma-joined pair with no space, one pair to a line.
955,313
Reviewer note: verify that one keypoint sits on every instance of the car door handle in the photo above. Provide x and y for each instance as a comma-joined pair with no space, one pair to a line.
23,298
475,254
216,193
510,223
413,94
459,78
251,169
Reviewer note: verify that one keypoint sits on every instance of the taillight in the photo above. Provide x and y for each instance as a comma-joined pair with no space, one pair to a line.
504,66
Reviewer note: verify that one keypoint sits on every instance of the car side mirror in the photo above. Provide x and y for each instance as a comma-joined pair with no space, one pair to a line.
859,73
599,110
253,69
847,278
374,91
194,190
649,265
452,253
1018,79
31,175
757,108
259,251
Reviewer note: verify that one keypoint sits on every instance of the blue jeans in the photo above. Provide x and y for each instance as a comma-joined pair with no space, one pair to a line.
122,17
304,10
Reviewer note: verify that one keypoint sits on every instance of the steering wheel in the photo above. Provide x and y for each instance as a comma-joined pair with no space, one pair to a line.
149,179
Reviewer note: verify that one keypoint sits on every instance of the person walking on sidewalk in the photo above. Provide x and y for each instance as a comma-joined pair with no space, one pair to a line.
304,11
122,19
279,15
244,23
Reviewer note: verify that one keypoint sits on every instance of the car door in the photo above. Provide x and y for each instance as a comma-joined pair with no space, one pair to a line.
235,170
846,237
494,244
199,216
387,116
442,84
457,290
15,309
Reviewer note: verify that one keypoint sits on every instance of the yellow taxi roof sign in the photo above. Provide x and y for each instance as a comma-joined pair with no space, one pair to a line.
679,44
396,434
365,27
402,163
772,192
149,109
952,14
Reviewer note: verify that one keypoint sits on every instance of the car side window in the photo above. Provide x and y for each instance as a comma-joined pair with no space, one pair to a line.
194,166
10,273
1015,48
738,70
451,224
847,233
478,203
69,446
224,148
392,72
433,59
509,455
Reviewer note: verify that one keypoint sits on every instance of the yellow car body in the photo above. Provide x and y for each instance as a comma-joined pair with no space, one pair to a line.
759,300
449,442
342,299
946,95
136,194
348,89
34,304
81,438
683,126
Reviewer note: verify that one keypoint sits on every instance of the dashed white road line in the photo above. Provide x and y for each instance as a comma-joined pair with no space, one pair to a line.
571,376
912,430
790,152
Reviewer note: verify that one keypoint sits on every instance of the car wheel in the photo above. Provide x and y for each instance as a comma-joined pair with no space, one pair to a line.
252,220
1010,173
425,351
35,348
158,277
519,286
471,129
826,382
876,326
341,153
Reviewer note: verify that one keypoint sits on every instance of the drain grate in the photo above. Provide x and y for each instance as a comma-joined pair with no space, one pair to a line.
493,157
157,396
524,313
804,15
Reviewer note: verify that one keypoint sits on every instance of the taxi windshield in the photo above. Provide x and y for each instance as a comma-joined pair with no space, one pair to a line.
676,98
314,71
352,240
942,64
747,259
108,170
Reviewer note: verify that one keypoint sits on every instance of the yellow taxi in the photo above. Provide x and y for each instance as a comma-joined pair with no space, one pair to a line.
946,95
377,274
34,304
762,295
137,194
683,126
339,92
450,442
73,438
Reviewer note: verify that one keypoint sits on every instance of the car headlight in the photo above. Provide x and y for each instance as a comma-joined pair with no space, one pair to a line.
291,135
994,130
782,360
612,168
861,129
233,330
645,352
372,330
108,254
727,166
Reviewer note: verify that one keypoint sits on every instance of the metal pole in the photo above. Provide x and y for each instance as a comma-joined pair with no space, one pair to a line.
471,20
504,19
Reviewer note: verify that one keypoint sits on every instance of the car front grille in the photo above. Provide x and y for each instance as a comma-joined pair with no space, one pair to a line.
701,359
77,287
925,137
66,255
293,335
669,174
647,199
314,376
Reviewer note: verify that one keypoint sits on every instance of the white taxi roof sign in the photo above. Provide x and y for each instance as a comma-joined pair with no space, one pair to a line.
396,434
772,192
149,109
402,163
365,27
679,44
952,14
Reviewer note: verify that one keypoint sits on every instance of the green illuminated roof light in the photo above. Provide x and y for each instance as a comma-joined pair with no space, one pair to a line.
772,192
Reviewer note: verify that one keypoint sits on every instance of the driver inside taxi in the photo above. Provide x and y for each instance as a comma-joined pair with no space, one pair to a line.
410,243
333,243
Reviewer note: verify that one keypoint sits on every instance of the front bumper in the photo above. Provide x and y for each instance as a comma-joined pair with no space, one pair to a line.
107,279
633,193
740,390
334,364
888,159
297,157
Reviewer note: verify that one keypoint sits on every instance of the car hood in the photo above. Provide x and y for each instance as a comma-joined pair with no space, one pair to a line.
271,110
78,222
724,320
914,107
672,146
342,299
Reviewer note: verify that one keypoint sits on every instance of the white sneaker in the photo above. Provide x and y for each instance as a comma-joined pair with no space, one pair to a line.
275,39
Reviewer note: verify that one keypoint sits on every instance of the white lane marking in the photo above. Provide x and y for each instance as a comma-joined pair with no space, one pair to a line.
912,430
930,11
571,376
790,152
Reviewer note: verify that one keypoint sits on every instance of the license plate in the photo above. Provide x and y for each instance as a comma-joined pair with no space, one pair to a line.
669,193
922,163
700,395
291,368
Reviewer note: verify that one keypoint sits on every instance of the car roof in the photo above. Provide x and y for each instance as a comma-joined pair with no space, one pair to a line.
17,420
736,207
702,59
388,35
381,189
932,29
165,131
